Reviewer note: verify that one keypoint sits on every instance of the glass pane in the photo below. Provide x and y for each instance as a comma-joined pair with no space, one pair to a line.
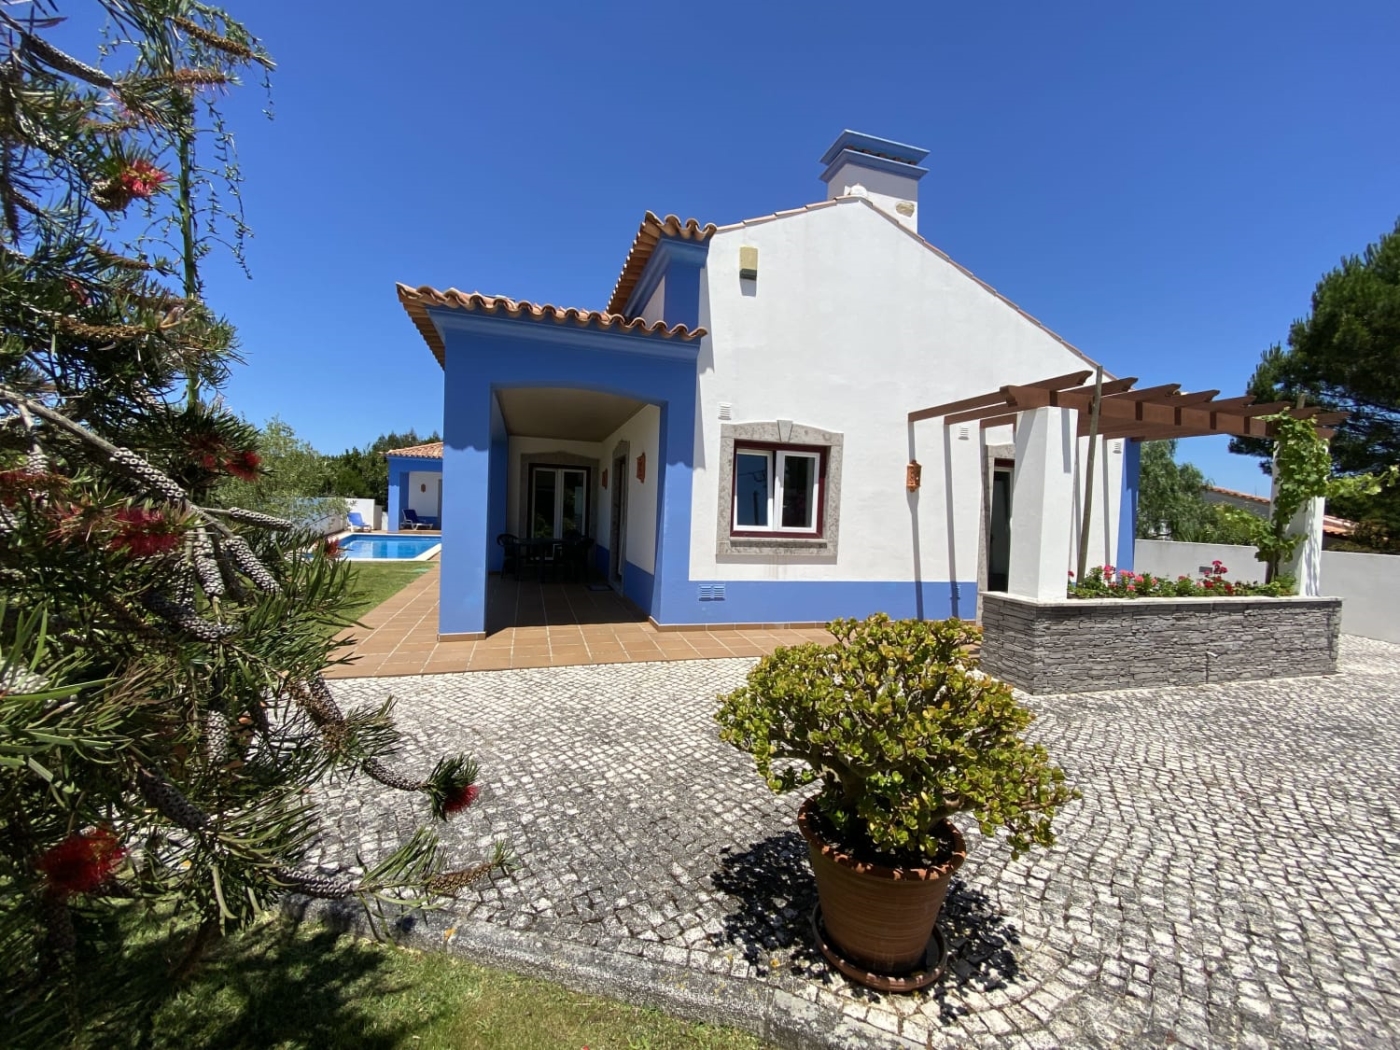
575,502
751,490
542,504
799,484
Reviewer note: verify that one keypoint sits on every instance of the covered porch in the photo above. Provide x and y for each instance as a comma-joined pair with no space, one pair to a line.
415,488
542,624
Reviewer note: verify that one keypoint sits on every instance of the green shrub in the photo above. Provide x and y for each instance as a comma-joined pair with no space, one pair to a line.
902,731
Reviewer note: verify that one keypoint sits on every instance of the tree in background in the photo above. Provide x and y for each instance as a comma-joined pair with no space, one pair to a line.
1345,355
1171,504
162,710
365,473
292,482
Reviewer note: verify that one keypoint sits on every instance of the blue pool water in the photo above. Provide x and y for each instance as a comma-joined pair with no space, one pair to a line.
390,547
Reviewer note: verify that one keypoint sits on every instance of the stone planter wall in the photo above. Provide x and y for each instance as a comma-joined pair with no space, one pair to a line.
1074,646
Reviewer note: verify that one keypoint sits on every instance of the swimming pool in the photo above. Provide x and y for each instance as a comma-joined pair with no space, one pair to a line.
394,548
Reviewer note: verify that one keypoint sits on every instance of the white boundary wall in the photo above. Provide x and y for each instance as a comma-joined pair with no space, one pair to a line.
1366,583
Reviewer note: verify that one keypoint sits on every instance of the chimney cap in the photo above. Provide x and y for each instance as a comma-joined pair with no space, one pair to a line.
886,149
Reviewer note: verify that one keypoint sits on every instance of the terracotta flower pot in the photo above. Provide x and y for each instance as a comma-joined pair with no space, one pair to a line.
880,918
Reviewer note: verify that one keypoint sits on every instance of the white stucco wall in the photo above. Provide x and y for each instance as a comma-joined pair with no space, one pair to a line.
643,433
371,512
520,446
851,324
423,492
1172,558
1366,583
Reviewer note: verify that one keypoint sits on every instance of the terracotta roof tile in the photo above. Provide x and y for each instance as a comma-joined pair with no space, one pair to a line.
432,450
648,236
416,302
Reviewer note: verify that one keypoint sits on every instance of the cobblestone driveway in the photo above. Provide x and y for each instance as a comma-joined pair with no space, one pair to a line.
1231,878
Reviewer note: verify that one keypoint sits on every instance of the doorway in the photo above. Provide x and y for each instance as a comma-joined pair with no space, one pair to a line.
558,504
999,529
617,528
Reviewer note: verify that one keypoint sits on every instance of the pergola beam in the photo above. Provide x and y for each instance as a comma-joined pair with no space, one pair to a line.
996,399
1150,414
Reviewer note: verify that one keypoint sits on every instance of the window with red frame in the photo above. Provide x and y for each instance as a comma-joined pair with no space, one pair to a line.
777,490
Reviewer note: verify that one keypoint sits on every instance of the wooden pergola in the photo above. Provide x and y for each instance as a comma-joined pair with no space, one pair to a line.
1153,413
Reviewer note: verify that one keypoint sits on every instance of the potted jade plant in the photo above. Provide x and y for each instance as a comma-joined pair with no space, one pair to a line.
899,731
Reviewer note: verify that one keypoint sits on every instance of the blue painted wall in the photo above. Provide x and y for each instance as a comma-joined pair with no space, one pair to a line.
816,601
485,354
399,466
1128,508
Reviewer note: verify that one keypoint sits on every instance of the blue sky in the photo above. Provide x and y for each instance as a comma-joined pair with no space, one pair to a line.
1161,184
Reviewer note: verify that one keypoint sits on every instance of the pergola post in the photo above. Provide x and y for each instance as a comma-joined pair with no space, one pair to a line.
1042,502
1305,565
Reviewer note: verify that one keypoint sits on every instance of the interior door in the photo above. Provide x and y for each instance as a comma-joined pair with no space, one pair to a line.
544,502
999,531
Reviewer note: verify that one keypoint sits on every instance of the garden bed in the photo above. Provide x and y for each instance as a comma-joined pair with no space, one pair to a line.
1079,645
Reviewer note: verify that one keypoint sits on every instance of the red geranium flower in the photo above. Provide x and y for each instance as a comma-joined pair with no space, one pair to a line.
461,797
331,548
141,178
82,862
244,465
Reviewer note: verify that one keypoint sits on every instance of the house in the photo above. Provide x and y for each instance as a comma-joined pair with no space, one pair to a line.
1332,526
731,428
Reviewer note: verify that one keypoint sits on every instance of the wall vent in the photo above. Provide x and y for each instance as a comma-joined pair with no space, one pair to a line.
1118,448
726,410
712,592
963,433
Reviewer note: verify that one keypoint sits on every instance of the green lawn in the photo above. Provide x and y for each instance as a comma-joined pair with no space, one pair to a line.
287,986
375,582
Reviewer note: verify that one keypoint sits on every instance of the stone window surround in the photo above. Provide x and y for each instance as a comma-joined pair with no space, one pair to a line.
779,432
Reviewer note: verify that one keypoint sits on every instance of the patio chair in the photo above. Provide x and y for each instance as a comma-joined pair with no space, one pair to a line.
357,522
577,550
511,545
411,520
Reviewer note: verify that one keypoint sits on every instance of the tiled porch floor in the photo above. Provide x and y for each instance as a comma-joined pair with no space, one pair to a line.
536,625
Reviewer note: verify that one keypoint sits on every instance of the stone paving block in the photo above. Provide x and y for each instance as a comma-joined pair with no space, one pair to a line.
1229,877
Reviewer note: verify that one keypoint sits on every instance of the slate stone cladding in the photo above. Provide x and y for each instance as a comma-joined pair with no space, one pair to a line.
1088,646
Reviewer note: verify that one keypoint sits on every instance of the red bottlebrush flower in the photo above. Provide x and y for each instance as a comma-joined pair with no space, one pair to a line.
461,797
331,548
82,862
76,292
141,178
142,533
244,465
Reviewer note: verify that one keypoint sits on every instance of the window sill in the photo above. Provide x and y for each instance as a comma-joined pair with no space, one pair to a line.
773,544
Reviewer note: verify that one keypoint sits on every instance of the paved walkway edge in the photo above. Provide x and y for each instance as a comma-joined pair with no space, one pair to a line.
772,1014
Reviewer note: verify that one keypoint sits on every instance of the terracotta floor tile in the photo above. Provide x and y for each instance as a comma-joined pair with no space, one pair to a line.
535,659
529,650
492,662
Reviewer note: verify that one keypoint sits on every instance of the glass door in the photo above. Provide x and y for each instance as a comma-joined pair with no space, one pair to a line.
558,502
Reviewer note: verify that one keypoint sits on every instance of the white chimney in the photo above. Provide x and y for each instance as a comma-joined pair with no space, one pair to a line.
886,173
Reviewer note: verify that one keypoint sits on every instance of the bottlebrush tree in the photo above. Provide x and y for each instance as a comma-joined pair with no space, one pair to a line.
162,706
